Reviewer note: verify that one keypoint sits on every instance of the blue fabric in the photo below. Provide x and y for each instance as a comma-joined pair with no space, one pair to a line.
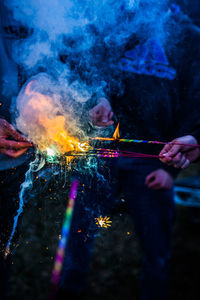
152,213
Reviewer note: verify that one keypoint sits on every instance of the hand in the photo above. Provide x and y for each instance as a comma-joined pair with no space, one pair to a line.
101,115
12,143
180,156
159,180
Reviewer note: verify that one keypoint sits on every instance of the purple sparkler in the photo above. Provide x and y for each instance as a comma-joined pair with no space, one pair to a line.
64,237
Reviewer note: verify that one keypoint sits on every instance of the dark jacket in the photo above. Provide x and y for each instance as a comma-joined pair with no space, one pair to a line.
161,98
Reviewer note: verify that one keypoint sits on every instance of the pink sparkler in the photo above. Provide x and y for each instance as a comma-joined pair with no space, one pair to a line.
64,237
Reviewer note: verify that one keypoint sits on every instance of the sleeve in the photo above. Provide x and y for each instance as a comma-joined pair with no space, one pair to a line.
196,132
188,114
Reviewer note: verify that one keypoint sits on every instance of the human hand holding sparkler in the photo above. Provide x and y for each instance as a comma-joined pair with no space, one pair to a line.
12,143
101,115
159,180
180,152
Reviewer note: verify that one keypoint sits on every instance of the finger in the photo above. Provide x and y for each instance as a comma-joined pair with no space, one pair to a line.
181,162
166,149
154,185
104,114
177,159
110,115
104,124
149,178
8,144
174,150
12,153
16,135
186,164
166,159
171,161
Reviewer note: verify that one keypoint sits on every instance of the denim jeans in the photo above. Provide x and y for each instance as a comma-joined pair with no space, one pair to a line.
152,213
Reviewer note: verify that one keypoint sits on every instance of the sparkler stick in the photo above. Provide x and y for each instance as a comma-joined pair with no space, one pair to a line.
111,153
140,141
116,138
64,237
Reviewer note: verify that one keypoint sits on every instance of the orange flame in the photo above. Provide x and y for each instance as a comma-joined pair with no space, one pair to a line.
44,121
116,133
116,136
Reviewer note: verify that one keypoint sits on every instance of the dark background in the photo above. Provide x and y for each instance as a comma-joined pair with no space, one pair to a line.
117,259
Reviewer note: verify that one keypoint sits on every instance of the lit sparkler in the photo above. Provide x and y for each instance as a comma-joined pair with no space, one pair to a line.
103,222
116,138
64,235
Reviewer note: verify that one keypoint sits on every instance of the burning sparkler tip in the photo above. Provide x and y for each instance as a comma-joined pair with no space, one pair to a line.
7,252
103,222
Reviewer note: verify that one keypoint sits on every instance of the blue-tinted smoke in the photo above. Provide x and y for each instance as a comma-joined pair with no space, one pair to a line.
35,166
81,41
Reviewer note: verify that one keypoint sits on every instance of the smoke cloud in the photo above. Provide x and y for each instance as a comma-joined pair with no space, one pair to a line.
87,32
79,44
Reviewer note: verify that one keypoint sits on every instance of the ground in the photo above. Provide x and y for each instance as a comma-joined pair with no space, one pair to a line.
117,258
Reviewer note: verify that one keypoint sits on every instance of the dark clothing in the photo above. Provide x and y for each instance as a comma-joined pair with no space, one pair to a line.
196,134
159,100
158,103
152,213
192,9
10,181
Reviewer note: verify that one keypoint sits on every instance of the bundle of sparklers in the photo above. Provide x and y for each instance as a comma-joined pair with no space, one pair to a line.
109,153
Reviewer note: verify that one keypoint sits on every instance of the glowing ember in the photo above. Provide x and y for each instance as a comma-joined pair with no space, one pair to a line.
50,152
103,222
7,252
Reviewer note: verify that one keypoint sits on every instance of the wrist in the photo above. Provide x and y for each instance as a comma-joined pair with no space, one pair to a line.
192,140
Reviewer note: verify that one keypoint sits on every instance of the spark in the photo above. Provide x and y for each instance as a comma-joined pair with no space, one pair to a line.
103,221
50,152
7,252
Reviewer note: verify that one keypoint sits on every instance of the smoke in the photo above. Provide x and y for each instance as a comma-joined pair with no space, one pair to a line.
42,117
89,36
78,44
34,166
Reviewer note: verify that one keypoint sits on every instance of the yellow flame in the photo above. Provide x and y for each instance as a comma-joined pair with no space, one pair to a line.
115,136
45,122
116,133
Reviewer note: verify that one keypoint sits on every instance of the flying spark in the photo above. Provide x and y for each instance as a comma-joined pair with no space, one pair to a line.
103,222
